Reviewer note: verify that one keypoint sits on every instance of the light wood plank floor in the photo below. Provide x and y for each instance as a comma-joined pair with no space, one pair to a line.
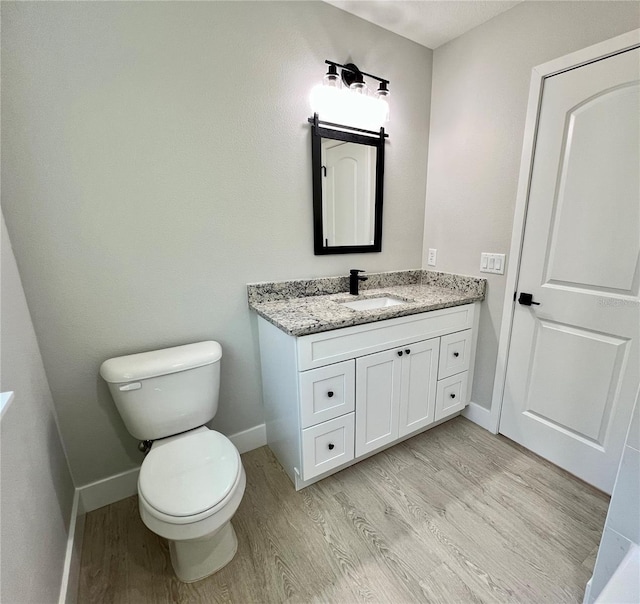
452,515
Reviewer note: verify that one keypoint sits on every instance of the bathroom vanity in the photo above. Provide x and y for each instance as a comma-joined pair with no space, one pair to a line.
340,384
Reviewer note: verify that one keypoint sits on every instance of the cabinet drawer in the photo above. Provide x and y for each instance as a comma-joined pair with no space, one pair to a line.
451,395
327,445
326,393
455,351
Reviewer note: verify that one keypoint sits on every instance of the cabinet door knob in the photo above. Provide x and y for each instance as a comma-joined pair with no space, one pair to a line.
331,445
456,354
399,353
452,395
408,350
330,393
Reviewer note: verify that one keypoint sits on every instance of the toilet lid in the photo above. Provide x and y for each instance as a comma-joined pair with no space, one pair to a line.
189,475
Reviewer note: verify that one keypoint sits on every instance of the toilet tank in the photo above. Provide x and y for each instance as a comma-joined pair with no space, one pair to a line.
165,392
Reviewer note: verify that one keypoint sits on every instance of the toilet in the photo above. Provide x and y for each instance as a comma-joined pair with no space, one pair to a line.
191,480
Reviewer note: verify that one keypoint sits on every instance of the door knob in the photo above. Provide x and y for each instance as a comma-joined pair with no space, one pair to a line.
452,395
527,299
408,351
330,393
331,445
399,353
456,354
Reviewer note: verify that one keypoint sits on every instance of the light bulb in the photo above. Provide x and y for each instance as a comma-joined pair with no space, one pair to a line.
382,95
331,78
358,86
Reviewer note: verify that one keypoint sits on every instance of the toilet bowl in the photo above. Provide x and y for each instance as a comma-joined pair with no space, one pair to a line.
189,488
191,481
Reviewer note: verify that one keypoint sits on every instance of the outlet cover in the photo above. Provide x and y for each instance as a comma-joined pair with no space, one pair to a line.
492,263
431,257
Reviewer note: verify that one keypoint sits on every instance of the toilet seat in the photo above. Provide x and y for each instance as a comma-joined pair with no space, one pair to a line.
190,477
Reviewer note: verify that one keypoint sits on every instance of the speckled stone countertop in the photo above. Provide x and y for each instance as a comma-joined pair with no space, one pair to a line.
309,306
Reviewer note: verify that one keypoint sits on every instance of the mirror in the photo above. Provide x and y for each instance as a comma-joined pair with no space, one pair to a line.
348,170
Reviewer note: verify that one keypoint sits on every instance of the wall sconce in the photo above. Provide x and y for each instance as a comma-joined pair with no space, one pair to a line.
346,99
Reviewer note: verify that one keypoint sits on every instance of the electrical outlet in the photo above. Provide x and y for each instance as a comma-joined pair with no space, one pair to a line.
492,263
431,257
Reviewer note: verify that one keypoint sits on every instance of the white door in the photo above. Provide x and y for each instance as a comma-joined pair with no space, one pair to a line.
573,366
377,400
348,193
418,386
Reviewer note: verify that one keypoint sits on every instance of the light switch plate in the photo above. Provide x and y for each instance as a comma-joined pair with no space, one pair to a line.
431,257
492,263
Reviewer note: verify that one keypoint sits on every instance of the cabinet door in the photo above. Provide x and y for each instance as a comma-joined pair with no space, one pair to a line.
377,400
418,392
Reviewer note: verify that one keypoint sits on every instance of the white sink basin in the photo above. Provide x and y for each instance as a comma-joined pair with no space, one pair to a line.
373,303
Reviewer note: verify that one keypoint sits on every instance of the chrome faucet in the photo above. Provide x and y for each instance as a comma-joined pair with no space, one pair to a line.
354,280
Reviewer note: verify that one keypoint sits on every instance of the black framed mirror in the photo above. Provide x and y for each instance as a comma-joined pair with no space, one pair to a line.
348,181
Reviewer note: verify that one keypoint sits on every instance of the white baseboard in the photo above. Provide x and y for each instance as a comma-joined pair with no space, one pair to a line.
71,568
109,490
587,592
478,415
120,486
250,439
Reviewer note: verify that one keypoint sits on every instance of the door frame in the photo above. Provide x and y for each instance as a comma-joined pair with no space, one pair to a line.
602,50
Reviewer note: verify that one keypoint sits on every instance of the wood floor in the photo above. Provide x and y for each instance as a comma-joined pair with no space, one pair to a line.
452,515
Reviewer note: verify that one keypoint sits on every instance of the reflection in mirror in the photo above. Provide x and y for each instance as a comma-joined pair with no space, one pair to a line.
348,172
348,193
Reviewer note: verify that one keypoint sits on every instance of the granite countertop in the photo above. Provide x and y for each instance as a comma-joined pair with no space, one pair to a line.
311,306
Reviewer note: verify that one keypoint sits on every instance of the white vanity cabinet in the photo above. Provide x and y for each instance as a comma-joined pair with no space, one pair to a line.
338,396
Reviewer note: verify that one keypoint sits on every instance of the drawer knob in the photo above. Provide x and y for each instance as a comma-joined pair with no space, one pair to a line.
331,446
456,354
399,353
330,393
408,350
452,395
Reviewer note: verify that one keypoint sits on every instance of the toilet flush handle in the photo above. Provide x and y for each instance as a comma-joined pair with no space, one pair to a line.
130,386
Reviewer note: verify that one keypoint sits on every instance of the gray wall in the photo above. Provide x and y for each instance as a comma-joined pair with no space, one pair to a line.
478,110
155,159
35,483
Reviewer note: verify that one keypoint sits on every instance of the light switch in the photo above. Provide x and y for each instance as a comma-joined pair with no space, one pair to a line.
492,263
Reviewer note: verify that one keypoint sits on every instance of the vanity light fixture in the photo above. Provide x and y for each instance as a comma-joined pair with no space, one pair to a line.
345,99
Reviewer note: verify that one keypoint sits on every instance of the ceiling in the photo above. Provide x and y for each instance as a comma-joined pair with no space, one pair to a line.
427,22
